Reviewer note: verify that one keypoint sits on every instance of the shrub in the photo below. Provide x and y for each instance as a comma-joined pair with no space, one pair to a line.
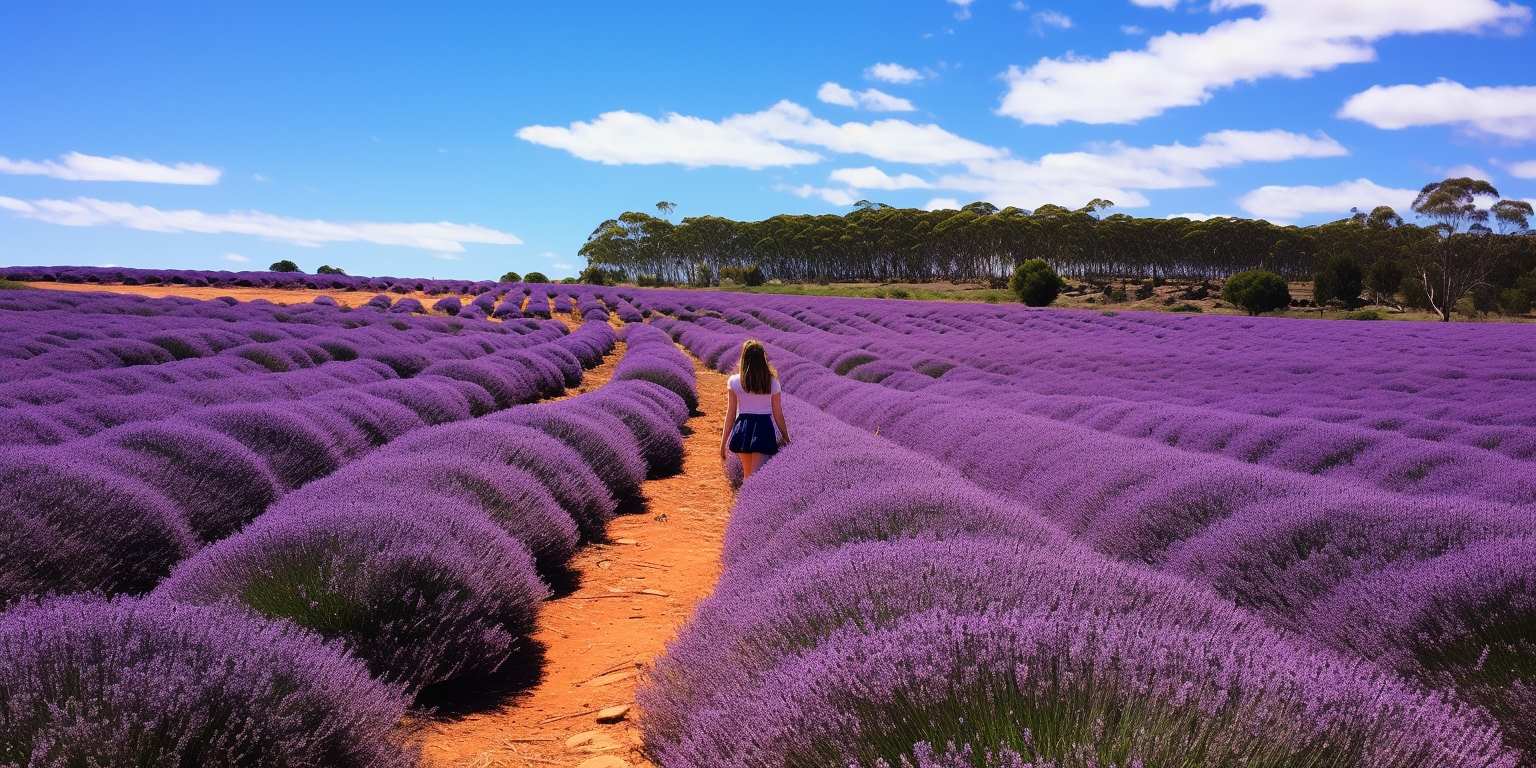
661,444
1340,280
217,484
1184,307
295,449
504,383
133,682
422,595
511,277
604,443
535,277
1145,290
1070,689
749,276
1514,302
1257,291
1035,283
285,265
1364,314
573,484
448,306
509,496
68,524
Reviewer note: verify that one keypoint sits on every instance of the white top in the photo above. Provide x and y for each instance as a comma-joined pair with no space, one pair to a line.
751,402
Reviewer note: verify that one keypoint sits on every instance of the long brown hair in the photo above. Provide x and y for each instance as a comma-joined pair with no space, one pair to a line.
756,374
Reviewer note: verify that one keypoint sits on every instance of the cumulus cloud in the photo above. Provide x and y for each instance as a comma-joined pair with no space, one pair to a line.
942,204
774,136
1505,111
870,177
1469,172
1166,5
442,237
1289,38
1525,170
962,8
871,99
891,72
1122,173
77,166
627,138
1196,216
833,195
236,258
1285,204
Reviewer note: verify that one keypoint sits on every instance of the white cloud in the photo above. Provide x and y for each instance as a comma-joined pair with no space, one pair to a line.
870,177
76,166
1197,216
236,258
441,236
832,93
871,99
942,204
1132,30
447,257
1284,204
1505,111
1052,19
259,178
840,197
1166,5
1120,173
891,72
755,140
1467,171
1525,170
1290,38
627,138
962,8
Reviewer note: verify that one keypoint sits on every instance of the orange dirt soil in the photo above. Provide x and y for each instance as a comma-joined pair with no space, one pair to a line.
634,593
274,295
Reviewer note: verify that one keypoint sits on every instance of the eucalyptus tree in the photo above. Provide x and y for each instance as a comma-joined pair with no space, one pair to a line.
1458,260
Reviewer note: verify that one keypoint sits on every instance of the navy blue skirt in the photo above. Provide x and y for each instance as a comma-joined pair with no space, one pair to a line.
754,433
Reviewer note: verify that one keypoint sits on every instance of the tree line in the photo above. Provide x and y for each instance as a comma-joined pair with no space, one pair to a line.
1460,248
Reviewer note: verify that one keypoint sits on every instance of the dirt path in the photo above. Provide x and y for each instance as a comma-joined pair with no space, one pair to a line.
635,592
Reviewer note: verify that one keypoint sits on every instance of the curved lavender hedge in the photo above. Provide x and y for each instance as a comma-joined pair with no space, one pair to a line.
1004,642
132,682
423,597
1315,483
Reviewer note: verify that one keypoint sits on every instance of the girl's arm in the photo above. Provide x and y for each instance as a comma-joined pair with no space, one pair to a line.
730,419
778,418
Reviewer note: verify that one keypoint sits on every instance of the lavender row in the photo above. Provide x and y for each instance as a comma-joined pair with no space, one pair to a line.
1392,462
420,564
879,610
1287,545
1460,385
114,512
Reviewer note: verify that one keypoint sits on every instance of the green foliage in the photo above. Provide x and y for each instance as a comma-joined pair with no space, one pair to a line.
511,277
898,293
1257,291
535,277
1363,314
595,275
1145,290
1413,294
1185,307
12,285
1035,283
1384,279
1340,280
1514,302
648,281
568,281
326,269
285,265
749,276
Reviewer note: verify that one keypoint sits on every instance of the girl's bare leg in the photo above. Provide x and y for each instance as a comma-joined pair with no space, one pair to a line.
749,462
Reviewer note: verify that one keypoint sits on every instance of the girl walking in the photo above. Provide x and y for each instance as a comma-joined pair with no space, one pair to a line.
754,415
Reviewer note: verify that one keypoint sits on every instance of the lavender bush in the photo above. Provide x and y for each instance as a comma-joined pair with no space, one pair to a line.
132,682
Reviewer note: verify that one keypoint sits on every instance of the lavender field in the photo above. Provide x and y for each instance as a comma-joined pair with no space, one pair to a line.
243,533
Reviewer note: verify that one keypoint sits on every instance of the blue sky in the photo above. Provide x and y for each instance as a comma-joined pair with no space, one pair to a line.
461,140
